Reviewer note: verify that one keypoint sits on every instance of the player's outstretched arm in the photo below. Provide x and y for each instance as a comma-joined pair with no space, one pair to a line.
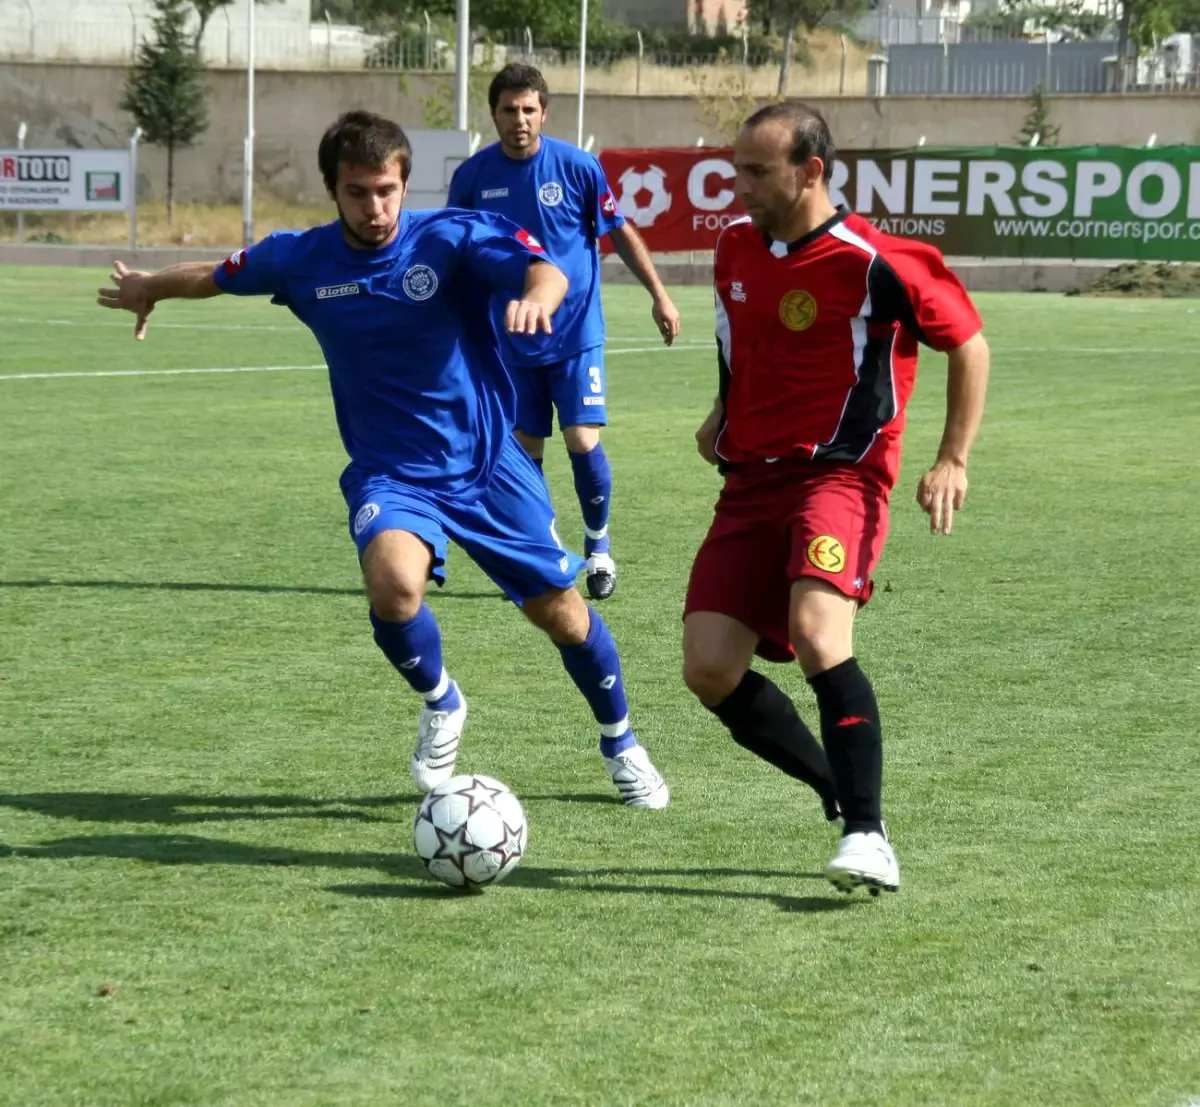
944,488
632,251
545,287
138,291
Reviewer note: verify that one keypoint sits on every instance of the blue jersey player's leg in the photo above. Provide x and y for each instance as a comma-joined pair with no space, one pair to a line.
577,386
401,544
510,534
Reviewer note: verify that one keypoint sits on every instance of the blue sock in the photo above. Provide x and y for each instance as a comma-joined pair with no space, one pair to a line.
596,670
593,486
415,649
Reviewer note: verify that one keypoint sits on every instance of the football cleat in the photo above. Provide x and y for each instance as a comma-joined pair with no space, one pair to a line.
638,781
438,734
864,860
601,576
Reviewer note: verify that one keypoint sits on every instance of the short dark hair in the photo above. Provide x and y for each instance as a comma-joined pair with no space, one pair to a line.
518,77
811,137
363,138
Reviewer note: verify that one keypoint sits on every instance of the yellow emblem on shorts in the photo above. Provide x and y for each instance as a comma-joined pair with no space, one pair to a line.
798,310
826,553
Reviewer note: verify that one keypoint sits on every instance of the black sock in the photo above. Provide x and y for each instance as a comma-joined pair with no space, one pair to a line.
854,742
762,719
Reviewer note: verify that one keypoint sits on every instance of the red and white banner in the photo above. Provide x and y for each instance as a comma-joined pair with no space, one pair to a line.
678,198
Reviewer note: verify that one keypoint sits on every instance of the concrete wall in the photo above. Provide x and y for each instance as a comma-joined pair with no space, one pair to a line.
74,105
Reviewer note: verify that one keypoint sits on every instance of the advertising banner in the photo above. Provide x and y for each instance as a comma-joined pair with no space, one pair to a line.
65,180
1115,202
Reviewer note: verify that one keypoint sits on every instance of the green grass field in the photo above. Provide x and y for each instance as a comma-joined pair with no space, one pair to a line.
208,893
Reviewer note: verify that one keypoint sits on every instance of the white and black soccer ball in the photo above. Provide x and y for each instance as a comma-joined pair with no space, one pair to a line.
470,831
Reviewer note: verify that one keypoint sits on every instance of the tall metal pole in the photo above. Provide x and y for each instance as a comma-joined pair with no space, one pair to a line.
134,140
21,129
582,67
248,159
462,63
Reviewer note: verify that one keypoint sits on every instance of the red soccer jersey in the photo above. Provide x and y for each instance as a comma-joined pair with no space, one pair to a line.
818,340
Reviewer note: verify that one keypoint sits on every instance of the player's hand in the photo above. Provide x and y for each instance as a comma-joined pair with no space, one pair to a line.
941,493
131,294
666,318
706,438
527,317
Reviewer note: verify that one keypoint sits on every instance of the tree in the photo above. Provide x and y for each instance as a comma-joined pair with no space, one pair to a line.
1070,17
205,9
1143,24
789,16
165,91
1037,123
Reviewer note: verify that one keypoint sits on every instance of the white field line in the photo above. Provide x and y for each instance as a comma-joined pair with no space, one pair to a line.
269,368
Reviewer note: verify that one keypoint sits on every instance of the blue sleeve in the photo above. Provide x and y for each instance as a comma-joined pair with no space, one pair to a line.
460,189
602,201
258,270
498,253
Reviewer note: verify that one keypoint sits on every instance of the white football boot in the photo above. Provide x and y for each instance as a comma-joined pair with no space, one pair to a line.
638,781
438,734
864,860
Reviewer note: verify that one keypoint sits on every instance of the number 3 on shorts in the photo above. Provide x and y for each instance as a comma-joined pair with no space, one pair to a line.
594,377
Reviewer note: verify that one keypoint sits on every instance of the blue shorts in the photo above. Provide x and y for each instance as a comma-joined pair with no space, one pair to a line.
508,532
574,387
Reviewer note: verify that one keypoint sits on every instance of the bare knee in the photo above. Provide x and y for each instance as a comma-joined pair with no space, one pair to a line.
395,569
717,651
711,679
821,626
581,439
562,614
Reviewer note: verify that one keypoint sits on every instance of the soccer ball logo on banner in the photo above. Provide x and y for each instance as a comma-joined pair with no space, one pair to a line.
644,195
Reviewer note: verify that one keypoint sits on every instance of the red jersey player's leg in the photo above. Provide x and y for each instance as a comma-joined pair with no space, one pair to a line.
737,605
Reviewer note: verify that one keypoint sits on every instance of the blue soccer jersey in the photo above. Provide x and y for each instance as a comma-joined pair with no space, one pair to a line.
419,388
561,196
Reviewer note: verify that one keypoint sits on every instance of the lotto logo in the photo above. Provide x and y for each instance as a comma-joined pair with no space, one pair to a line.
608,204
235,261
529,242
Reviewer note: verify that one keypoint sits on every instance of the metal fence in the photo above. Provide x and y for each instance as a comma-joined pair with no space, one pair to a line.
886,53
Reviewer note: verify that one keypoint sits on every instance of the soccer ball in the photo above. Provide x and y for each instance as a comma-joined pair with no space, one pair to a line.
470,831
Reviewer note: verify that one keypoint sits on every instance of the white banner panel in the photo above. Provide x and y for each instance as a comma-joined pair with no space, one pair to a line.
65,180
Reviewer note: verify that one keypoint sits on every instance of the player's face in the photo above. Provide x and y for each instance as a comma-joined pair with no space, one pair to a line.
770,187
519,117
368,200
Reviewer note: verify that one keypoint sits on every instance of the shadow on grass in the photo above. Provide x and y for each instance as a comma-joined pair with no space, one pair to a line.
208,586
183,809
187,849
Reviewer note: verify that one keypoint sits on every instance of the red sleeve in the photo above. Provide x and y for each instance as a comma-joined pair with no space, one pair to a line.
911,284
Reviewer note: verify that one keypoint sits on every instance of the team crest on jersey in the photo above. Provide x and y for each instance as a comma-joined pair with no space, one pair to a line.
737,292
365,514
608,203
798,310
827,553
551,194
420,282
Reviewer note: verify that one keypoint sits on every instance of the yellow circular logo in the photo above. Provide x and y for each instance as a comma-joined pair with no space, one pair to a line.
798,310
826,553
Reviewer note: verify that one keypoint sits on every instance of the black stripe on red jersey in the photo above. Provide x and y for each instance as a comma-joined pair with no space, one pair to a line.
871,404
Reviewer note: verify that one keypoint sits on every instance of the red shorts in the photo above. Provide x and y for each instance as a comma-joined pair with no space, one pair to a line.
776,523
